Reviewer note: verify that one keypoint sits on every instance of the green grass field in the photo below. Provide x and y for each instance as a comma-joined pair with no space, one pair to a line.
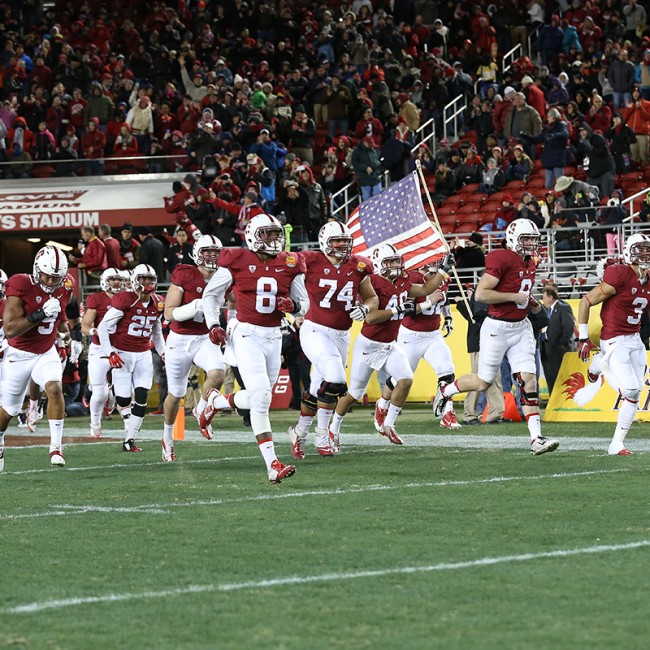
451,541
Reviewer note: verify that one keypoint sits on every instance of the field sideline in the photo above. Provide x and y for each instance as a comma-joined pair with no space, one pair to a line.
457,540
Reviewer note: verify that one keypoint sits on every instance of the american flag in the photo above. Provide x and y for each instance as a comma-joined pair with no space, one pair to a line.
397,217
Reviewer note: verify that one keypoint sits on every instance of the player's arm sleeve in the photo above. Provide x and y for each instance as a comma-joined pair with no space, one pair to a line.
107,327
158,339
298,292
214,294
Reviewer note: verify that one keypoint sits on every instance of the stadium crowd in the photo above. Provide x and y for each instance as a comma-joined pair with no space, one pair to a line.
273,106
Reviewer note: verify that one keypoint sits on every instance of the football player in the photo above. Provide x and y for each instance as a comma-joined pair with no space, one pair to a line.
375,348
188,341
625,294
506,287
97,304
420,338
125,335
334,277
33,315
267,283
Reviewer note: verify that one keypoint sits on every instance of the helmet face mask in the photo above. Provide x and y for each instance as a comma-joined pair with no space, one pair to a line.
206,252
335,240
265,234
144,279
111,281
637,251
522,237
50,269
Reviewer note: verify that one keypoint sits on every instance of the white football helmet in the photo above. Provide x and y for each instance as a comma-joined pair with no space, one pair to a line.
387,261
3,282
50,268
126,280
520,230
265,234
637,250
111,280
144,279
335,240
205,252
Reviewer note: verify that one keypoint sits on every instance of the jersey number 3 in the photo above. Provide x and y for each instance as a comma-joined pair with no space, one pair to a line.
639,305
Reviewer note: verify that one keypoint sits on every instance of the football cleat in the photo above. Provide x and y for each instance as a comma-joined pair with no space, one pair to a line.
335,441
380,416
129,445
279,472
440,400
206,430
2,458
542,445
322,442
389,432
96,431
109,404
56,458
450,421
22,420
297,442
624,452
168,454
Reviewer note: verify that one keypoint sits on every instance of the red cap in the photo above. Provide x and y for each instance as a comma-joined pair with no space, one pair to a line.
507,197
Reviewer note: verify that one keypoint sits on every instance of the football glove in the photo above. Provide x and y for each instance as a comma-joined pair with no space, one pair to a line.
115,360
585,346
217,335
407,307
359,313
448,263
447,327
287,305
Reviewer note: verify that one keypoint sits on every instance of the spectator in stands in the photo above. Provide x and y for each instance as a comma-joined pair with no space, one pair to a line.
111,245
445,180
293,202
140,119
612,215
549,41
600,165
522,119
337,100
92,144
471,169
180,252
636,115
125,143
396,151
500,112
554,138
469,254
65,157
520,166
245,212
369,126
93,258
99,105
317,203
534,96
599,116
642,73
621,138
303,131
129,248
152,251
367,167
409,111
620,74
635,15
493,178
549,208
269,150
44,142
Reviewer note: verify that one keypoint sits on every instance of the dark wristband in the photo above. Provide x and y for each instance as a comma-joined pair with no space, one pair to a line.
75,333
36,316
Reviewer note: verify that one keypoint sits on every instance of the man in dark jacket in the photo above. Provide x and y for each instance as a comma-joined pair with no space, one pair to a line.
555,137
620,74
152,251
367,167
598,160
181,251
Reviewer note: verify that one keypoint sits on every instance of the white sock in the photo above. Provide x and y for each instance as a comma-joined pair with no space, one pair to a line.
2,438
337,421
626,415
534,422
450,389
383,403
33,404
304,423
56,434
201,405
391,416
168,434
96,408
268,452
324,417
219,402
135,422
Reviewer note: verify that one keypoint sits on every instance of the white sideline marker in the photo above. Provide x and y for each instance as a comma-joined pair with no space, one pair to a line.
31,608
164,508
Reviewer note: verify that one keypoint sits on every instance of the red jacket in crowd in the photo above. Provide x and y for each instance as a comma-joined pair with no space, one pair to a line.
94,257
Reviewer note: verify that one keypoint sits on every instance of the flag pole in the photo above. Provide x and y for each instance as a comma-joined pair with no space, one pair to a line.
463,296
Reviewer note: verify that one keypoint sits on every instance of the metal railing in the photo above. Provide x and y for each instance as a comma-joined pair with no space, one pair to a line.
452,111
426,134
509,57
345,200
532,42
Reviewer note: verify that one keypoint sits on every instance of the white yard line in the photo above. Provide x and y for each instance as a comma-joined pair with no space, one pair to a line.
35,607
164,508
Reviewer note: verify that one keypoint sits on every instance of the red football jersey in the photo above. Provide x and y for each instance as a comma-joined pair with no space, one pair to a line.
429,319
621,314
41,337
516,275
258,284
189,278
333,289
100,302
390,295
134,329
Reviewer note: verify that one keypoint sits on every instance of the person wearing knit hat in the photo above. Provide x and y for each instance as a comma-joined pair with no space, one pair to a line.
620,137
